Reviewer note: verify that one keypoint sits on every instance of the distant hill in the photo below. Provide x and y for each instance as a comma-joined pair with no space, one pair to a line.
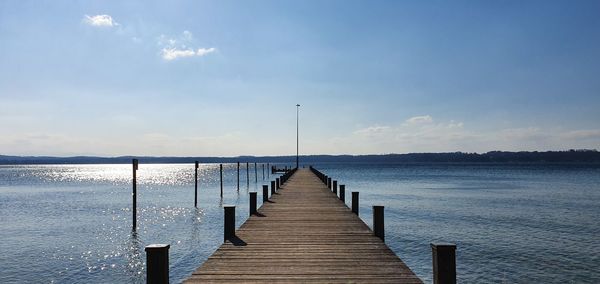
571,156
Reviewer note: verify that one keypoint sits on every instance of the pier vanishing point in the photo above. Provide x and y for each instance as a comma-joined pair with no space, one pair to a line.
303,233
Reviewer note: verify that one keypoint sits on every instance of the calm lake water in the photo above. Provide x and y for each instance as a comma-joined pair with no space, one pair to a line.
511,223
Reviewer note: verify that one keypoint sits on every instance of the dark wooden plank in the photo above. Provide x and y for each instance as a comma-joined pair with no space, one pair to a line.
305,234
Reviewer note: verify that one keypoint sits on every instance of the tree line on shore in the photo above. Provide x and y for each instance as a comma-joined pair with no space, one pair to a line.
569,156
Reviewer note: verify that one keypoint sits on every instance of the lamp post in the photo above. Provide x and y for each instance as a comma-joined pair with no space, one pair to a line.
297,140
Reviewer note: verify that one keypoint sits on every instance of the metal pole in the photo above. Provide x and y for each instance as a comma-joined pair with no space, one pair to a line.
221,168
255,173
134,195
297,137
196,186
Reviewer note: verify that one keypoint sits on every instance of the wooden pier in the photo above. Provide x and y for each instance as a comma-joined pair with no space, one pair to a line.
304,233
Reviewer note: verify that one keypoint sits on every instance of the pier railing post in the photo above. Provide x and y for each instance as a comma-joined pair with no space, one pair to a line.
157,264
247,174
378,224
334,185
329,182
252,203
229,222
255,173
238,175
272,187
265,193
134,163
355,202
444,263
343,193
196,185
277,183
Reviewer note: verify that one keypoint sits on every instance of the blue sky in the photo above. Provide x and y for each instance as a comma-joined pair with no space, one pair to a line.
222,78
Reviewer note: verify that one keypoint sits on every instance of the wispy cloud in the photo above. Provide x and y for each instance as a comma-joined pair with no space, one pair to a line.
100,21
178,47
420,119
174,53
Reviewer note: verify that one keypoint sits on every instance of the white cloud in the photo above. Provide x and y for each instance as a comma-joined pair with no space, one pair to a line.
372,130
174,53
420,119
582,134
100,21
205,51
178,47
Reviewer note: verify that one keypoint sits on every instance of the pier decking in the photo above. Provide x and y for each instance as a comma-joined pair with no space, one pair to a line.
304,233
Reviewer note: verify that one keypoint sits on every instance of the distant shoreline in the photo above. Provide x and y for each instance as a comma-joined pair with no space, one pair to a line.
571,156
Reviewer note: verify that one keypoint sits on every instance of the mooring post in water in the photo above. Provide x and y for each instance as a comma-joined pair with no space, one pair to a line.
268,170
238,175
334,185
378,224
134,194
196,185
265,193
272,187
247,174
263,170
355,202
252,203
343,193
255,174
221,168
157,263
444,263
229,222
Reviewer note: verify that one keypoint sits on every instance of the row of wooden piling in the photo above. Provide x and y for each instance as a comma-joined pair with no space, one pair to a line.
157,255
135,163
443,254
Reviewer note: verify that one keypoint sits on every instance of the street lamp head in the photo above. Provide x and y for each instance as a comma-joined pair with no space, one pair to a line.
297,105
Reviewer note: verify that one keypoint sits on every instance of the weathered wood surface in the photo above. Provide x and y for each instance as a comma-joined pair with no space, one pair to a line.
304,234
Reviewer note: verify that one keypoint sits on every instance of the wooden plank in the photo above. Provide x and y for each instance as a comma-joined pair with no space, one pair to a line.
304,234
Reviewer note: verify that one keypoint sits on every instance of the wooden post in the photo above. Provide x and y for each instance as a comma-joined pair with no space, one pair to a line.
255,174
343,193
277,183
355,202
134,194
196,185
272,187
229,222
238,175
157,263
444,263
329,183
265,193
263,169
268,171
221,168
378,225
247,174
334,185
252,203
